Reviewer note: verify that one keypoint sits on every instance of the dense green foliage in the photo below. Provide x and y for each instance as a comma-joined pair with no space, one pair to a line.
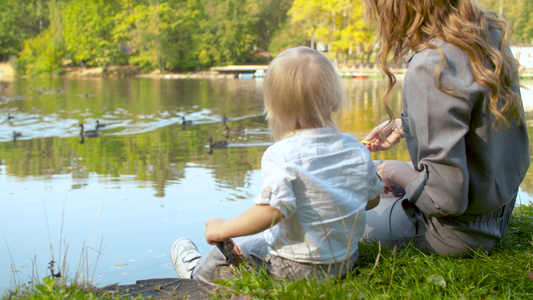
176,35
519,13
20,20
182,35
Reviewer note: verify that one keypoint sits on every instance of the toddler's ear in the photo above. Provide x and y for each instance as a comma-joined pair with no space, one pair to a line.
334,108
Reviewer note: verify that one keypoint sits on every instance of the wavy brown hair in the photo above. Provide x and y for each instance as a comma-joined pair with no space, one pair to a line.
409,25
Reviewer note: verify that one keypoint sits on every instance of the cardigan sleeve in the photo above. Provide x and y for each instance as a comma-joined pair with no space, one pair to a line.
435,124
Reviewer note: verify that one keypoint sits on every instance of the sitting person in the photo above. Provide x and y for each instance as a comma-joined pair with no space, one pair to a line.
463,122
317,182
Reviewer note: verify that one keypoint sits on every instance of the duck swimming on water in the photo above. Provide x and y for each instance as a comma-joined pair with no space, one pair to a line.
16,135
217,144
89,133
234,131
99,125
185,122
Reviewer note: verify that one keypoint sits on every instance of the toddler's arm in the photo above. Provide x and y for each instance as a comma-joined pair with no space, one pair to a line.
256,219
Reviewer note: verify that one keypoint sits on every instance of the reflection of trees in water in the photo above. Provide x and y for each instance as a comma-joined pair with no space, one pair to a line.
366,110
233,168
160,157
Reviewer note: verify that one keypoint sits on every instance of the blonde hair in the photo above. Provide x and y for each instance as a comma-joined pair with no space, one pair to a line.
301,89
410,25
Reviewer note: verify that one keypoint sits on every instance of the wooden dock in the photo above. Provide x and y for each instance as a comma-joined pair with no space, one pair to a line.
240,69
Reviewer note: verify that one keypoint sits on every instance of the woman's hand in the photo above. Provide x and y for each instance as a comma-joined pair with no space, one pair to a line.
396,172
213,234
373,140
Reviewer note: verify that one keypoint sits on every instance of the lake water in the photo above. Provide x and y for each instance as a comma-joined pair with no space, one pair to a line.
111,206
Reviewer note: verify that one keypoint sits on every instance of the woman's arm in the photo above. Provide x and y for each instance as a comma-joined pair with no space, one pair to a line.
396,172
256,219
435,126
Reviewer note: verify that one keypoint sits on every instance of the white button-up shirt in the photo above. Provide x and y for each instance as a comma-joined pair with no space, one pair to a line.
321,181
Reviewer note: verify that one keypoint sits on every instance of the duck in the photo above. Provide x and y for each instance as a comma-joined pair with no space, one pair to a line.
89,133
9,116
234,131
99,125
16,135
217,144
185,122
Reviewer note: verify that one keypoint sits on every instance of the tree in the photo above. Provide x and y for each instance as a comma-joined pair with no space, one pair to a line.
20,20
272,18
522,25
518,13
88,32
181,24
44,52
338,24
231,30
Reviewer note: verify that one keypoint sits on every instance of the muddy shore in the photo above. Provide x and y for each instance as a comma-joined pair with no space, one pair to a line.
163,288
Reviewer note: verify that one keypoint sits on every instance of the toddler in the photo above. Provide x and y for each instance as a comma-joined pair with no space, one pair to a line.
316,184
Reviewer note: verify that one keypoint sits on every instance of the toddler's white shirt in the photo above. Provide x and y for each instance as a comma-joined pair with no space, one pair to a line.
321,181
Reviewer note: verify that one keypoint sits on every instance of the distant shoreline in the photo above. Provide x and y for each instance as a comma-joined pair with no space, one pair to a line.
7,72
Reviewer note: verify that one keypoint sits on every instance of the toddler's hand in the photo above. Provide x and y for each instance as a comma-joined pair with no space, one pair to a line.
213,233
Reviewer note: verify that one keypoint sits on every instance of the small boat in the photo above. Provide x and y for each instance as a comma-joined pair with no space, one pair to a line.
245,76
360,76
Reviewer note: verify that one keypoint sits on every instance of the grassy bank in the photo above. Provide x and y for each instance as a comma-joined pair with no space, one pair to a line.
503,273
506,272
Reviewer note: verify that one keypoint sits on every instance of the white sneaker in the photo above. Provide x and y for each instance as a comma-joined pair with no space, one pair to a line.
185,256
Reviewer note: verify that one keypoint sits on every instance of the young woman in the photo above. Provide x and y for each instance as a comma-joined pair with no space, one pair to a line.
463,123
310,214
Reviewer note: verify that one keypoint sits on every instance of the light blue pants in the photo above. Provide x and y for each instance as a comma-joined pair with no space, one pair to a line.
214,266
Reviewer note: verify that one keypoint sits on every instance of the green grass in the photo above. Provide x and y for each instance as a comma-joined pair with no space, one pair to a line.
384,273
52,289
411,274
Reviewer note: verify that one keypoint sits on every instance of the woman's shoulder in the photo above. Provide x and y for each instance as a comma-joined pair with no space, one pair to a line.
437,50
456,66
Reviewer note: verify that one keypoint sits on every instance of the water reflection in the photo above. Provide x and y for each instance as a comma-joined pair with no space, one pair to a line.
146,179
127,106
